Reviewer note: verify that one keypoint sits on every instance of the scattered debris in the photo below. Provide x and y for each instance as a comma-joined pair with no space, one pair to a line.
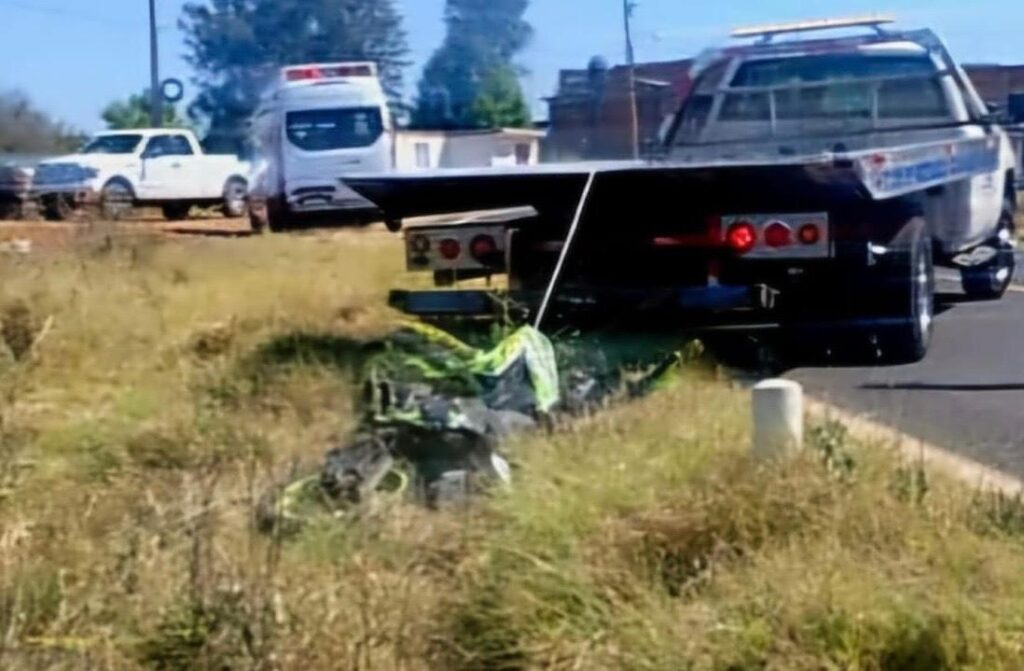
436,413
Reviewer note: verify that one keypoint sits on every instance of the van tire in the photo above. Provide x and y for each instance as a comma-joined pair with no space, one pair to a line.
268,216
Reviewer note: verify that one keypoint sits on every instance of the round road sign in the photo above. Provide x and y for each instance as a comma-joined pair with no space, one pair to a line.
172,90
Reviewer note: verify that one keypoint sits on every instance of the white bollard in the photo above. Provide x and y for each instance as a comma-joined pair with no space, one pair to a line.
778,419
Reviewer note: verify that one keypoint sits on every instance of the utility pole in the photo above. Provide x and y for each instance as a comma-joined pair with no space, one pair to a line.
156,96
634,125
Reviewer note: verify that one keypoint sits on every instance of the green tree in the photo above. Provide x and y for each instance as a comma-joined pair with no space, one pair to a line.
134,113
237,47
478,52
500,102
24,129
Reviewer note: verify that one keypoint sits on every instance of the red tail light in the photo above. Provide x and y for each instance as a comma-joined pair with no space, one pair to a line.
301,74
778,234
809,234
483,247
741,237
449,249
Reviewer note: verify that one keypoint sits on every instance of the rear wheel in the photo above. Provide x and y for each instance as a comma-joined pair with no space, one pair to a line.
908,337
235,194
887,313
117,199
992,279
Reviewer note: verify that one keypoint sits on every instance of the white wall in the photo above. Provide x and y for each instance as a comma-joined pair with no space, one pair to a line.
463,150
405,149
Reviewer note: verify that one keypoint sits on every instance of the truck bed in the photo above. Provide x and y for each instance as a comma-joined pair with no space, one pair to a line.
875,173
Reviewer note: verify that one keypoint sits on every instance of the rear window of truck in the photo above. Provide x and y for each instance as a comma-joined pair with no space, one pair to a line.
837,86
326,130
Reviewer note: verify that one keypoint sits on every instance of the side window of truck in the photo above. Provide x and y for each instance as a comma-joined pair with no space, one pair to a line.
168,145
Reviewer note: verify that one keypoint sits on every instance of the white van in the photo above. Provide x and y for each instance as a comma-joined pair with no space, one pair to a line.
317,123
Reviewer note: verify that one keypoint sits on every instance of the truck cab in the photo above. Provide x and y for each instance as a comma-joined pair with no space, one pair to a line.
315,124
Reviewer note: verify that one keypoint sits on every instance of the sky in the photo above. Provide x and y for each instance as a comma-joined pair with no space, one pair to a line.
72,57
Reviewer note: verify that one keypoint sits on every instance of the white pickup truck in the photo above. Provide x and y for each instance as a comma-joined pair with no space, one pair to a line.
119,170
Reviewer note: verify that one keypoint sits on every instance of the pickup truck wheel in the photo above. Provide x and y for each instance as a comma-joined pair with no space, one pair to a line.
991,280
57,207
117,199
235,194
904,331
176,211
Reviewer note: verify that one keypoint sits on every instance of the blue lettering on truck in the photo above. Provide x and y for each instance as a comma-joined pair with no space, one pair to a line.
960,164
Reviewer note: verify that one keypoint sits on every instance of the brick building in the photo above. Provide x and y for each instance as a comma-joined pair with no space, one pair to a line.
997,83
589,114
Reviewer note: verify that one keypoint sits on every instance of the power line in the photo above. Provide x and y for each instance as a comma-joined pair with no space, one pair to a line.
69,14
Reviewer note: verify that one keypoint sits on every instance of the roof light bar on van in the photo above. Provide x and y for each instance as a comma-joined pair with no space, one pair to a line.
768,31
336,71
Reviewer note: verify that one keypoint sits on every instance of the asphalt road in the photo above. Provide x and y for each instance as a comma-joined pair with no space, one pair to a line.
966,396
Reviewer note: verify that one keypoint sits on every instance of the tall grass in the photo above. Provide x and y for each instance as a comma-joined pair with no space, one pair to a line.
161,388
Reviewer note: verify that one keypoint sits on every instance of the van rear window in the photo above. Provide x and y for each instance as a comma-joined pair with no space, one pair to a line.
325,130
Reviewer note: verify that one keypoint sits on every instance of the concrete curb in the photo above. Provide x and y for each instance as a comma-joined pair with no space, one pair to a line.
967,471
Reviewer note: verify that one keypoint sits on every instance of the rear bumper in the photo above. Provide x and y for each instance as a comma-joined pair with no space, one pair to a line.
709,299
858,283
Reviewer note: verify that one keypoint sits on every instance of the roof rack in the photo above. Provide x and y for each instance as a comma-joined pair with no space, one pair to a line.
769,31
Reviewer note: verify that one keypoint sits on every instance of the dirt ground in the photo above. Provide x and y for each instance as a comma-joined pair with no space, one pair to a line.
60,234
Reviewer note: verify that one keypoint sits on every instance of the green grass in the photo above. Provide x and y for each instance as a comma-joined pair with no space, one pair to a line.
176,382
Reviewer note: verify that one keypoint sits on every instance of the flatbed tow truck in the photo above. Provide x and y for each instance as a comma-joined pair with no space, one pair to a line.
805,184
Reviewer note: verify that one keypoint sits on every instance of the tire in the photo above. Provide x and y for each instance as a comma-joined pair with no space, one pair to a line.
176,211
269,216
905,326
991,280
57,207
117,199
234,198
10,211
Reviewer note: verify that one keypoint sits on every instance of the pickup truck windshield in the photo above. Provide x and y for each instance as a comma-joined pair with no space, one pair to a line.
326,130
808,95
113,144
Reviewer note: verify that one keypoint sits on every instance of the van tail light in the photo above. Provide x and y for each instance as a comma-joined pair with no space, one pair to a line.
303,74
778,234
810,234
483,248
741,237
449,249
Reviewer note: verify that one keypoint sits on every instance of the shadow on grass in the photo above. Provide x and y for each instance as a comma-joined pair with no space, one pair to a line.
339,353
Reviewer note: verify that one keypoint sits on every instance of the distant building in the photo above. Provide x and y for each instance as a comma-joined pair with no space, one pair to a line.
426,149
999,85
589,114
